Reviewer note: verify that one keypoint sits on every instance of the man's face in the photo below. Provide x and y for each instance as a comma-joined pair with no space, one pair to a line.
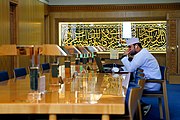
132,50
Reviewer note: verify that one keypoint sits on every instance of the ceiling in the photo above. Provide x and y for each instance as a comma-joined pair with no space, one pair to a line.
101,2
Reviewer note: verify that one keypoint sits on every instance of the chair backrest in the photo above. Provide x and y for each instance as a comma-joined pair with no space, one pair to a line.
99,64
20,72
133,97
45,67
4,76
139,75
163,72
160,94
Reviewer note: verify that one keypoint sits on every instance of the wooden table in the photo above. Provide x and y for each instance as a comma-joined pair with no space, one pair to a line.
15,98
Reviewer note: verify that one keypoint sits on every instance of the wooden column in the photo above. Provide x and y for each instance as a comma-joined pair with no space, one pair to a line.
173,42
172,46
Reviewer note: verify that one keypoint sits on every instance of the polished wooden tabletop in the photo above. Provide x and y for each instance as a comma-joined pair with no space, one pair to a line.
105,95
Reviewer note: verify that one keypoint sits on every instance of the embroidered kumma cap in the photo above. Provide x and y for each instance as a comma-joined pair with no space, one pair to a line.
131,41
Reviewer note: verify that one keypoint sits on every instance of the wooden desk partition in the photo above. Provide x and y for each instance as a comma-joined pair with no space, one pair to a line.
15,99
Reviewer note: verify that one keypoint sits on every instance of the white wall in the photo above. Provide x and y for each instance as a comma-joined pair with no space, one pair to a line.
96,2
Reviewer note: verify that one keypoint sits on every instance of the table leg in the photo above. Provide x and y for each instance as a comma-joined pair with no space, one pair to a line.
52,117
105,117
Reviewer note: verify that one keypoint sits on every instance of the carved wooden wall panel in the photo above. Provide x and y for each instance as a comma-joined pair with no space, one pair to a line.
171,47
97,8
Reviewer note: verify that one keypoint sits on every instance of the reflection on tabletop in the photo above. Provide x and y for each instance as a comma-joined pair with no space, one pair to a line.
83,88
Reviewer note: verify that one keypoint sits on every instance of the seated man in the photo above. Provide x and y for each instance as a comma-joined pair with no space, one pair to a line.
144,60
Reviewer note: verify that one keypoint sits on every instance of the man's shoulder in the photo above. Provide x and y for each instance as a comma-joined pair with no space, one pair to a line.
143,51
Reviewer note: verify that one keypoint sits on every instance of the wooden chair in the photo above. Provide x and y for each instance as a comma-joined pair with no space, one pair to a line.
20,73
4,76
134,102
45,67
133,105
161,94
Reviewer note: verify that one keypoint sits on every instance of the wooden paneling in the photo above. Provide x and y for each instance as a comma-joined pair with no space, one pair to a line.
123,7
171,47
173,58
4,22
174,79
107,15
31,26
31,22
161,58
46,10
5,62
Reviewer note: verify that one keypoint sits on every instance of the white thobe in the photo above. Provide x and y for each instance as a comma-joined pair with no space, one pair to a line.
146,61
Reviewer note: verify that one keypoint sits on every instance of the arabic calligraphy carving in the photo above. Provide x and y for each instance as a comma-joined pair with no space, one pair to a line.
151,35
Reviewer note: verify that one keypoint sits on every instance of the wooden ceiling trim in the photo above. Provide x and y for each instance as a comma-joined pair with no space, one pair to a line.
96,8
109,19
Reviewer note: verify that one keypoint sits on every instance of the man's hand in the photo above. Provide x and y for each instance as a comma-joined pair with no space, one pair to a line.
126,52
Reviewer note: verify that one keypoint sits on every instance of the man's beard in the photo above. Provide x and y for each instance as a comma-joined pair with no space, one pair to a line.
133,52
